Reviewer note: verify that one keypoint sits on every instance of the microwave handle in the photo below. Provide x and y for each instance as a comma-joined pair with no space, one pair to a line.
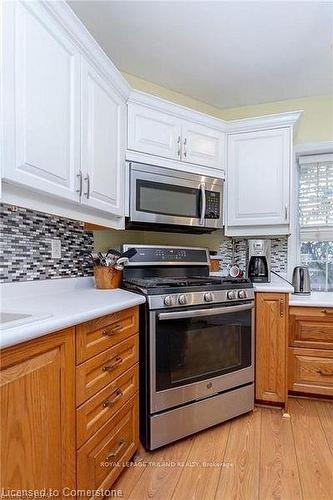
203,203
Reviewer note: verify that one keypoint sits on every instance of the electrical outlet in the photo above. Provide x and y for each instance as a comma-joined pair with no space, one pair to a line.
56,249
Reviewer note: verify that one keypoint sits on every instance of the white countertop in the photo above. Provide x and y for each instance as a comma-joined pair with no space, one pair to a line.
316,299
57,304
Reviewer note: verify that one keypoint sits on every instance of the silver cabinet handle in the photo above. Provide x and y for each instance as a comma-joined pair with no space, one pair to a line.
87,193
179,151
286,211
185,150
199,313
79,190
203,203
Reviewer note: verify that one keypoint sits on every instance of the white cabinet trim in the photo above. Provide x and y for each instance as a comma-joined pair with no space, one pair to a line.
278,120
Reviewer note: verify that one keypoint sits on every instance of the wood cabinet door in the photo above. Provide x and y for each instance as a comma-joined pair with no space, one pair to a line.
202,145
258,178
41,88
153,132
103,142
38,414
271,345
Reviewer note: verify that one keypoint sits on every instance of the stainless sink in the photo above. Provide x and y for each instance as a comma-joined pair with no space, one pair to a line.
13,319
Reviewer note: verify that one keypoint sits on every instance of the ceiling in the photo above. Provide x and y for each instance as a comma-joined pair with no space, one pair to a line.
224,53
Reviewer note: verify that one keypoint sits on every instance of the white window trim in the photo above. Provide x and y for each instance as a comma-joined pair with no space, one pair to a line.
294,241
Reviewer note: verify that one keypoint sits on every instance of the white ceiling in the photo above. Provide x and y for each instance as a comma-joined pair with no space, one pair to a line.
223,53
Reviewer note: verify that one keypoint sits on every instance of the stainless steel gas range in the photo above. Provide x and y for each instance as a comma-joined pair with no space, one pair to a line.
196,343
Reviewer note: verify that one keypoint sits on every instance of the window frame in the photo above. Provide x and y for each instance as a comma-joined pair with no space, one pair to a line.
294,254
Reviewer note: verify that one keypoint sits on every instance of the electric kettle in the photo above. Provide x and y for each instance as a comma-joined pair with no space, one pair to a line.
301,281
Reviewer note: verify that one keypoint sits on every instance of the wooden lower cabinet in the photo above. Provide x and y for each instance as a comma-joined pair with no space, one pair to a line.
271,347
310,358
69,404
37,395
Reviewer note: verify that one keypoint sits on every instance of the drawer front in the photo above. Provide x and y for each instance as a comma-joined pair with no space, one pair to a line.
115,443
311,327
97,335
99,371
311,371
100,408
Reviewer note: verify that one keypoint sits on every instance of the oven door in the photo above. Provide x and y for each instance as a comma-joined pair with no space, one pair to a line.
164,196
196,353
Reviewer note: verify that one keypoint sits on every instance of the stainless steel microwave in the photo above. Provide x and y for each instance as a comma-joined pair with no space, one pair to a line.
172,200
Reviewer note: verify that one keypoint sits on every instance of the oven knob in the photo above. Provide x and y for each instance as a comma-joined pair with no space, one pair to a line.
232,294
242,294
209,297
168,300
182,299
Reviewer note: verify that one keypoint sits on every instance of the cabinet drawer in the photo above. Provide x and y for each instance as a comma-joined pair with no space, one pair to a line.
99,334
104,405
311,327
99,371
113,444
311,371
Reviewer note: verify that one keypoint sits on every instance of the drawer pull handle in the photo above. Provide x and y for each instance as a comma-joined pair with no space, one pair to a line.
281,308
115,452
115,362
325,311
111,331
328,373
110,402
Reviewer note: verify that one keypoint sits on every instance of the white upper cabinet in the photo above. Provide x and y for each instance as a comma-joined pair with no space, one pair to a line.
258,181
202,145
103,142
41,108
153,132
171,132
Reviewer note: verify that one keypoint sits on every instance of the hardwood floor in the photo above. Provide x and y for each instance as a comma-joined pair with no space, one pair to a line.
257,456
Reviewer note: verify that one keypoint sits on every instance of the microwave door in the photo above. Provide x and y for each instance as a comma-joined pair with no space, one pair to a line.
162,199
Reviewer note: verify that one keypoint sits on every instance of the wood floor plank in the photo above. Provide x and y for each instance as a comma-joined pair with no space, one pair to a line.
132,474
199,479
325,412
314,457
279,477
159,478
241,480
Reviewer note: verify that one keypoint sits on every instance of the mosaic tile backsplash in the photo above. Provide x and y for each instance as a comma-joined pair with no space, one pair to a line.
25,249
279,253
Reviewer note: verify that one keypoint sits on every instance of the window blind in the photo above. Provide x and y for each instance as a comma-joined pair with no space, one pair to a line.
316,197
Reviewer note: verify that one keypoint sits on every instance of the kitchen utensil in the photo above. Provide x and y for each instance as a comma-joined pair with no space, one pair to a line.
120,263
301,281
129,253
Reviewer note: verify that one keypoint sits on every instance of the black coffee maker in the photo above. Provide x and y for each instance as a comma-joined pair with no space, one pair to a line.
259,261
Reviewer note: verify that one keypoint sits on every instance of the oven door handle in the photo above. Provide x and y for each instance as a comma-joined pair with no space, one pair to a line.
204,312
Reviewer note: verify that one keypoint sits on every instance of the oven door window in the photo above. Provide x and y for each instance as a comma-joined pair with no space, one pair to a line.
167,199
190,350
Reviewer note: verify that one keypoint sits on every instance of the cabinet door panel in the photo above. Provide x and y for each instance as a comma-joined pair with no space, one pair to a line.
153,132
258,178
271,342
103,142
42,101
202,145
38,414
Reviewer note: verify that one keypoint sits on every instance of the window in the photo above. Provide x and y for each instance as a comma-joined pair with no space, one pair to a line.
316,218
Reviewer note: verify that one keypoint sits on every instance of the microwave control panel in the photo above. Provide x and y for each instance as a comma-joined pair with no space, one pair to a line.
212,205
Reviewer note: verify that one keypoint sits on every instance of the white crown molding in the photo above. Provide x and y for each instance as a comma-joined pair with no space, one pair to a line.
278,120
87,44
312,148
182,112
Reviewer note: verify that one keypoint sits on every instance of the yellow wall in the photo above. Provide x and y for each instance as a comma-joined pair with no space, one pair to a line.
315,125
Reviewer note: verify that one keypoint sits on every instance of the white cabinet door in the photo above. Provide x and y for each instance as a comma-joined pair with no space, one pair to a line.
258,178
103,142
153,132
41,101
202,145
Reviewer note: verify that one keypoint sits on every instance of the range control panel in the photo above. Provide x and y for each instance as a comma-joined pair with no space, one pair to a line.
160,255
